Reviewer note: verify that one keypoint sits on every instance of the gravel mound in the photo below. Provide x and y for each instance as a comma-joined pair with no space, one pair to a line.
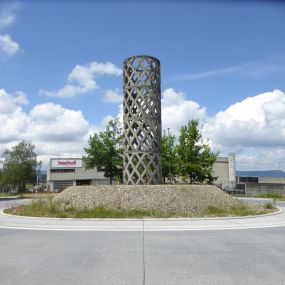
163,198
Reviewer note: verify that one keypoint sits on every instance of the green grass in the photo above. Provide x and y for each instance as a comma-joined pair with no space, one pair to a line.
43,208
242,210
48,208
269,206
7,195
29,195
276,196
39,208
100,212
38,195
271,195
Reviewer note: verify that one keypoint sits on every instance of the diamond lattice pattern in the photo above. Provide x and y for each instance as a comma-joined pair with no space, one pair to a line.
142,121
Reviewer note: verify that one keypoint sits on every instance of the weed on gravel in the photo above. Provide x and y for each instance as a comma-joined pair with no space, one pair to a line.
49,208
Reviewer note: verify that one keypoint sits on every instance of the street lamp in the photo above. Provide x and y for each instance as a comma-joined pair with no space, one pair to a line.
169,167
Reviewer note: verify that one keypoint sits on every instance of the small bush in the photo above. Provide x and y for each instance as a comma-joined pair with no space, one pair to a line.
269,206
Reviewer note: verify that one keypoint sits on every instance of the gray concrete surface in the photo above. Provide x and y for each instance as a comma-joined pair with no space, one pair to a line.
245,256
253,256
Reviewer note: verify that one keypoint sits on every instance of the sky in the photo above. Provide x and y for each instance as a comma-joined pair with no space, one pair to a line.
222,62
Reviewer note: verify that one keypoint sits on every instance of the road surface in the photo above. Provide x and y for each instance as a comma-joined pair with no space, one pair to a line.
153,256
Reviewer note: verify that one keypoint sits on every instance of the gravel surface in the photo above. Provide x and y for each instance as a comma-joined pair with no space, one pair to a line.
164,198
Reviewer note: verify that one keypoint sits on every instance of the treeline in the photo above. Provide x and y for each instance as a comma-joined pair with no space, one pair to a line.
189,159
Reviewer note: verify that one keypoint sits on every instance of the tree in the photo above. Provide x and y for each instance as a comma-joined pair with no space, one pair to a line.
168,156
194,156
105,151
1,179
20,165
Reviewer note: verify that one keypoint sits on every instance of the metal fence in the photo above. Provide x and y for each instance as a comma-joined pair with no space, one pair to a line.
251,189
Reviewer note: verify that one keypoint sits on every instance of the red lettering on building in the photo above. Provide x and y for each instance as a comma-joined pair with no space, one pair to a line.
67,162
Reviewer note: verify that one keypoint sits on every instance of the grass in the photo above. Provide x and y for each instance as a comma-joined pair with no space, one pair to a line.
276,196
271,195
48,208
8,194
242,210
38,195
269,206
29,195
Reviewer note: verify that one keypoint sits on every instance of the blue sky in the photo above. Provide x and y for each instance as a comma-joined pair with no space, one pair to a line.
214,55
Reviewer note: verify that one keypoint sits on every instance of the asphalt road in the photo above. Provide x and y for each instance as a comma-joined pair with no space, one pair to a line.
246,256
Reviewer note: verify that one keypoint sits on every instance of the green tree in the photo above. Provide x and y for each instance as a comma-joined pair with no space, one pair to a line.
194,156
105,151
20,165
1,179
168,156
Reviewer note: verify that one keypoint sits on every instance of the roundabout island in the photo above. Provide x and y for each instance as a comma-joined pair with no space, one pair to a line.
158,220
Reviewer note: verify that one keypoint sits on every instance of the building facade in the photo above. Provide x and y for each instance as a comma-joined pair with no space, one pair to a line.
65,172
224,169
258,182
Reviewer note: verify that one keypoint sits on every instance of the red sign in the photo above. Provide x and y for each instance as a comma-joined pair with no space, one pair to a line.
66,163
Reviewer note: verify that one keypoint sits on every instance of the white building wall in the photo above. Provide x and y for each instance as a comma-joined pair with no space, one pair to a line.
70,178
225,169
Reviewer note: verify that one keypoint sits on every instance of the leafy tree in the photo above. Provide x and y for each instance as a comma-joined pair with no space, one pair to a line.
1,179
194,156
168,156
20,165
105,151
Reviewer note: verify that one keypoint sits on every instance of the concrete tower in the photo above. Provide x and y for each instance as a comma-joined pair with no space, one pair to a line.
142,120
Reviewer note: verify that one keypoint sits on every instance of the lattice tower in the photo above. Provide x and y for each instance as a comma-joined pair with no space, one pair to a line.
142,120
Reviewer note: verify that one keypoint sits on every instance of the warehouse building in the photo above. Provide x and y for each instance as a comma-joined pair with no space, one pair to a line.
64,172
258,182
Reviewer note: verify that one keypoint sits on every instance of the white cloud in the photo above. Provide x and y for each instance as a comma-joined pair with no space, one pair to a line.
254,128
7,14
55,130
82,79
113,96
51,123
6,20
177,110
254,122
7,45
10,102
13,120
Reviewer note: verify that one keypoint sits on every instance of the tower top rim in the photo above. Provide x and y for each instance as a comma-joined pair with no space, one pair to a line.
142,56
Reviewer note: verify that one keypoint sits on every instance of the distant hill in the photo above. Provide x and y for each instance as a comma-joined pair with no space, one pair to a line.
259,173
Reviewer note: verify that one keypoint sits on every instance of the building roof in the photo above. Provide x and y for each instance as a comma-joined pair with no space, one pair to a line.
222,159
261,173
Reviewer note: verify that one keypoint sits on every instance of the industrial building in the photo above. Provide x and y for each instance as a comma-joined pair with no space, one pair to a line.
224,169
258,182
64,172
